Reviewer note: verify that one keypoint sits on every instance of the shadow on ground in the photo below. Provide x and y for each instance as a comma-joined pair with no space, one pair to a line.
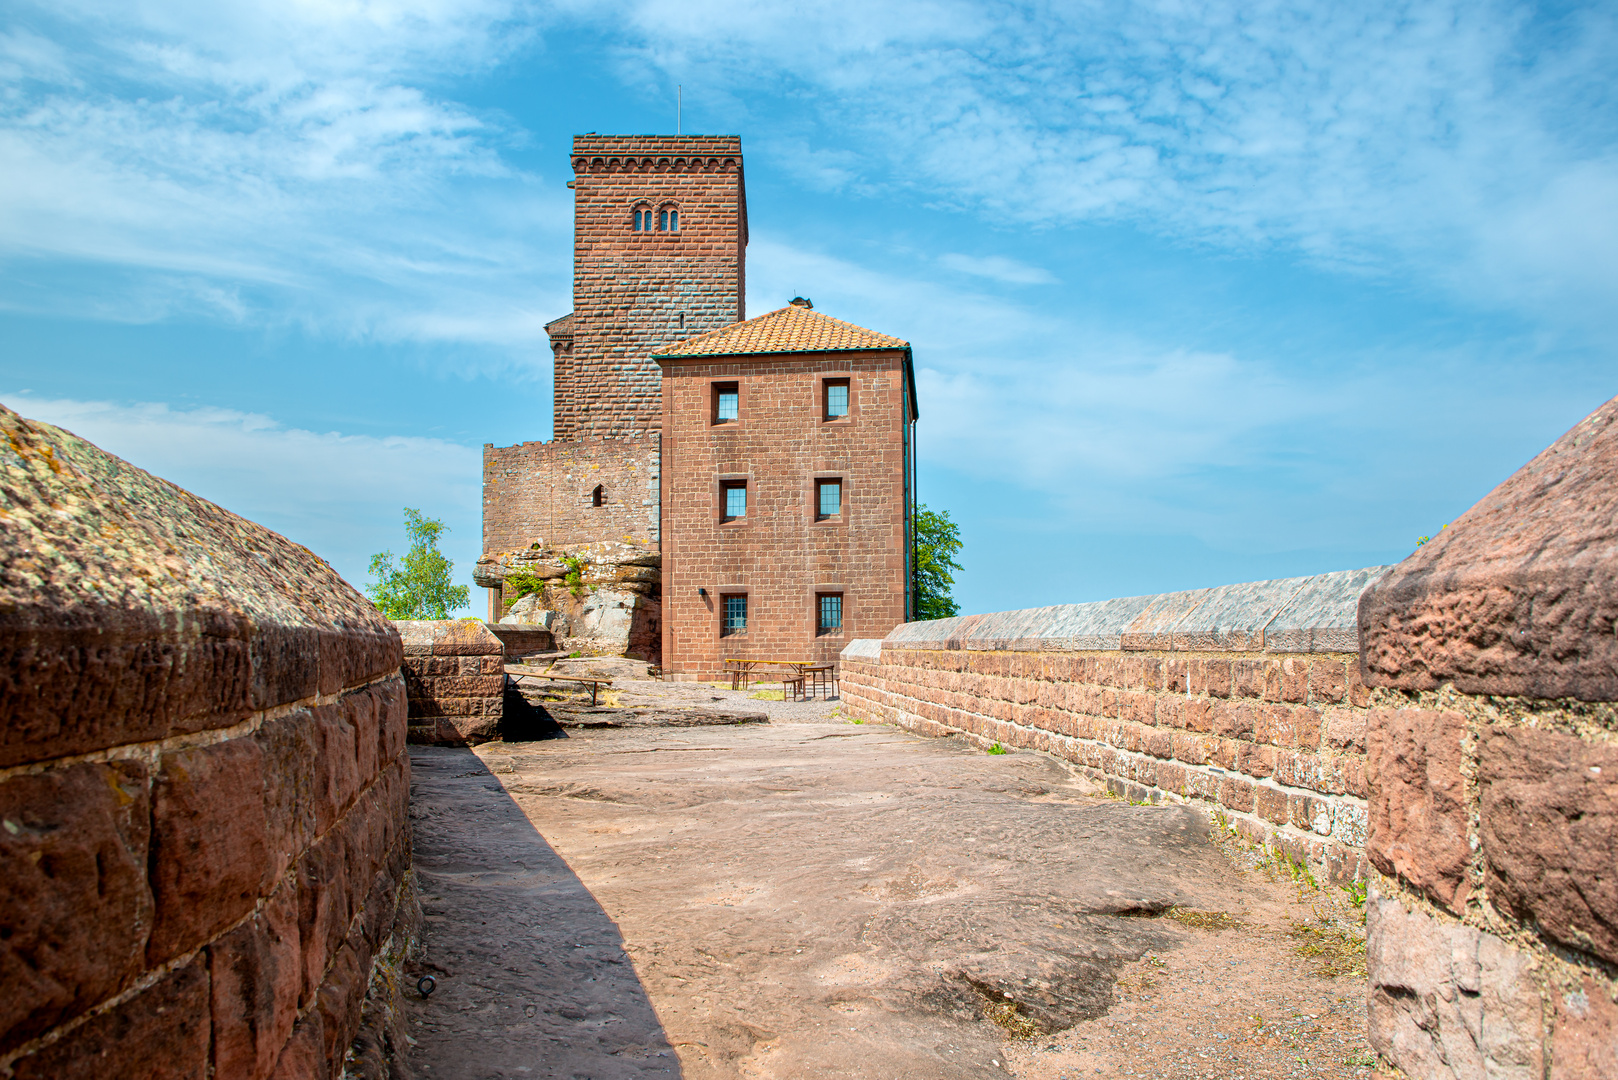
533,980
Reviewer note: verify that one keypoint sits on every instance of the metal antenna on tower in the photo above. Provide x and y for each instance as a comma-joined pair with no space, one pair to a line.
679,102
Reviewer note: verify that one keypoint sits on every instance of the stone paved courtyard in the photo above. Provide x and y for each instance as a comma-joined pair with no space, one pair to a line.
810,897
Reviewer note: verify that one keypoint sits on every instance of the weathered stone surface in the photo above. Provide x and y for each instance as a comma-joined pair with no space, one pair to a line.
255,980
160,1034
132,610
1449,1002
1518,596
1584,1040
1550,833
448,637
304,1056
212,856
1418,803
1308,614
74,906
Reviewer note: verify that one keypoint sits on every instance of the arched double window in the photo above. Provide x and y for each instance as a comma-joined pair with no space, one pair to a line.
644,218
668,218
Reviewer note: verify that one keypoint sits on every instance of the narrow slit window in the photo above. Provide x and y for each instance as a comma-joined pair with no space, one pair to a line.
735,500
836,398
598,497
828,498
735,616
726,402
831,612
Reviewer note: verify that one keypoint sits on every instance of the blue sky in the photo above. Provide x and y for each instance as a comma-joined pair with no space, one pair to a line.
1199,292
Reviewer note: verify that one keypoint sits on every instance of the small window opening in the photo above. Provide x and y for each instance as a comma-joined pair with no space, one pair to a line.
734,493
828,498
735,616
836,398
598,497
669,221
643,219
831,612
726,401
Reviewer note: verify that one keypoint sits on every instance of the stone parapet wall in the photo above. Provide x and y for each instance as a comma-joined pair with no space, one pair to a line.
454,671
1493,770
543,493
1243,697
203,787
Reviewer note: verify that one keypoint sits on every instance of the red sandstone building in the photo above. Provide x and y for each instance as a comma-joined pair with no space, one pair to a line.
769,460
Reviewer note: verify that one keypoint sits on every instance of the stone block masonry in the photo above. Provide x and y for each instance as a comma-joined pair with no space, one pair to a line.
1246,698
637,291
545,493
1493,772
455,676
203,787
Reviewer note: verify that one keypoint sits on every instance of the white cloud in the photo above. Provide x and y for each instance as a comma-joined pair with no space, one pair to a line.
997,267
339,495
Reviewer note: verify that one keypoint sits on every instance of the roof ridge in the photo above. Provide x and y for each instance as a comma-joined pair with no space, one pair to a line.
804,330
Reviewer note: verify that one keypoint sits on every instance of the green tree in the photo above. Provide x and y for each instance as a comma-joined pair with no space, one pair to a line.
938,540
417,586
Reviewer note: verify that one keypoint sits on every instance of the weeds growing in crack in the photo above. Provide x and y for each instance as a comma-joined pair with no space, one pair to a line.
1204,920
1006,1014
1339,951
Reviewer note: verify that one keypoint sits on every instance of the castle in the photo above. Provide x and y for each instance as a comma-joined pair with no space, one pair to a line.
725,487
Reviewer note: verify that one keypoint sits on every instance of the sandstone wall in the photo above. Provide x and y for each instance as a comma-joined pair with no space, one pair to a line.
203,786
636,292
543,493
1493,771
1246,697
454,672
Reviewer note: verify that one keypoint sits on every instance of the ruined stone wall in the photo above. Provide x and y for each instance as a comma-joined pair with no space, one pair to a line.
636,292
1493,770
455,676
543,493
203,786
1245,697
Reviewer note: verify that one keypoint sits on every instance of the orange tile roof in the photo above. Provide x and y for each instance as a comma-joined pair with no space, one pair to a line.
788,329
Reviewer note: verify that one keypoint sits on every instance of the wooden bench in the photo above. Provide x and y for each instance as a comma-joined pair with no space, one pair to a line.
595,684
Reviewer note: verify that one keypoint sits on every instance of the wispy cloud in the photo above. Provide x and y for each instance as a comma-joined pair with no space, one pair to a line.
339,495
291,156
1385,137
997,267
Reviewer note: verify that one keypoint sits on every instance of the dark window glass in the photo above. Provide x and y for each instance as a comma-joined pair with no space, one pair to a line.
669,221
735,615
836,399
735,501
831,612
643,220
828,498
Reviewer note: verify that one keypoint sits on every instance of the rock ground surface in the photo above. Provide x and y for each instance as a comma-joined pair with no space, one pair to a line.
809,897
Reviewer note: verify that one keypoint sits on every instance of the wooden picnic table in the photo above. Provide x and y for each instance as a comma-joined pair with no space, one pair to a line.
801,671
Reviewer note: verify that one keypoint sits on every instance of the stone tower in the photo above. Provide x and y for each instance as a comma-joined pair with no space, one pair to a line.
659,255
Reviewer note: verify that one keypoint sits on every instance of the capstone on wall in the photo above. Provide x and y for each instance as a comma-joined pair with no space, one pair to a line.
636,292
544,493
1493,771
203,786
455,677
1245,697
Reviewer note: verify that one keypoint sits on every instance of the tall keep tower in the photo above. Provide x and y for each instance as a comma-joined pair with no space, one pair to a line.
659,255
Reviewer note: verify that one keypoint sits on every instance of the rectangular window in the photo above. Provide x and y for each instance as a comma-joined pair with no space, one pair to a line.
735,616
725,402
831,612
828,498
836,398
734,493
